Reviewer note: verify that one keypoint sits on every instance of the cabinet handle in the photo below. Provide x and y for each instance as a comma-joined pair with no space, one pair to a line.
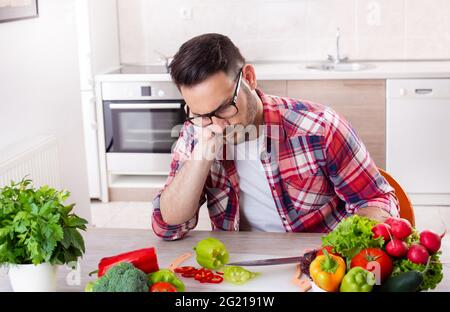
145,106
424,91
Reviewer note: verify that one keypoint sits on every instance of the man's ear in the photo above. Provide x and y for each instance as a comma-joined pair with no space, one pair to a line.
248,73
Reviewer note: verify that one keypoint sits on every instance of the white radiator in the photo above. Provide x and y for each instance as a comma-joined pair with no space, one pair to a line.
35,158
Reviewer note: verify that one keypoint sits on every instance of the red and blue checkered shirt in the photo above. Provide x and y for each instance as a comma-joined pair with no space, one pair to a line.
318,170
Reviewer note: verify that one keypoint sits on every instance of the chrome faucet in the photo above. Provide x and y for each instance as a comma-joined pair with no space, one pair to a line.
164,58
337,59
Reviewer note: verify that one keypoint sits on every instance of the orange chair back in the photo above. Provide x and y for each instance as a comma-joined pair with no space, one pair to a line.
406,207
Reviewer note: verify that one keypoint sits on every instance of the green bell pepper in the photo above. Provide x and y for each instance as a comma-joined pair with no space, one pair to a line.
211,253
165,275
237,275
358,280
89,287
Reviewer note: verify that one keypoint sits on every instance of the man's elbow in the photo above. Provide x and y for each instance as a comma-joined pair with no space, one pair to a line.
166,235
171,220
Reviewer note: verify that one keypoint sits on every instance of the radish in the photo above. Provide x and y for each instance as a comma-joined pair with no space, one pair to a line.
418,254
390,221
431,241
382,230
400,228
397,248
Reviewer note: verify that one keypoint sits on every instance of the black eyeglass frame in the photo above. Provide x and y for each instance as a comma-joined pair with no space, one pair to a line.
233,102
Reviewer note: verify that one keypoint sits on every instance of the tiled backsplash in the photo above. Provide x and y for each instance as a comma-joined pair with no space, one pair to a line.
289,29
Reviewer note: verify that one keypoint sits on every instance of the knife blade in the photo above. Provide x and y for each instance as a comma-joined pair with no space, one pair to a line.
273,261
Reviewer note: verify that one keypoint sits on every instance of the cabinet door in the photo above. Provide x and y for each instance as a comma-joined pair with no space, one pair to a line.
361,102
273,87
418,128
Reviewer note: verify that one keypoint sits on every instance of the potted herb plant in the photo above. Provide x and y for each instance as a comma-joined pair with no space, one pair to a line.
38,232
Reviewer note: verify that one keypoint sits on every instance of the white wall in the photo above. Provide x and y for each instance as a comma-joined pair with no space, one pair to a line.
104,32
40,89
290,29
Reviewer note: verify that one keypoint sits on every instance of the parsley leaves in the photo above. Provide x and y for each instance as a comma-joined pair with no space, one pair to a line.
36,226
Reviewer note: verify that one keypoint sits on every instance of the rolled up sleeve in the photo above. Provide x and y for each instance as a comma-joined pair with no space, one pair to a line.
181,152
356,179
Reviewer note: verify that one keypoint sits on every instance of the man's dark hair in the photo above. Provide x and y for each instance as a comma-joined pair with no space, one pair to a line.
203,56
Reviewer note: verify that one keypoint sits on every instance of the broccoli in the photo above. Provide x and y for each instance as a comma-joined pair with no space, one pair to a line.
122,277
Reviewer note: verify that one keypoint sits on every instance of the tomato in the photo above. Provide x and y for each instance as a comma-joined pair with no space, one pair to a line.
329,249
370,258
163,287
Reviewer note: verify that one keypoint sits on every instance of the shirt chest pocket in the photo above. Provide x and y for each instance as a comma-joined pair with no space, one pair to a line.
308,192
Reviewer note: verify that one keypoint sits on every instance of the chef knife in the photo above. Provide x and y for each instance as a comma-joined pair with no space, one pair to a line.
273,261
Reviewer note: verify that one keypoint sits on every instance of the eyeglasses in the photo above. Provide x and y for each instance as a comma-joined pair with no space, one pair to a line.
224,111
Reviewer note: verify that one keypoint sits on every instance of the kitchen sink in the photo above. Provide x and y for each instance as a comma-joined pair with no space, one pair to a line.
141,69
345,66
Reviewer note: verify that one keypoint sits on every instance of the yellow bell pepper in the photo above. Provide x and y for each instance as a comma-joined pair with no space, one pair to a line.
327,271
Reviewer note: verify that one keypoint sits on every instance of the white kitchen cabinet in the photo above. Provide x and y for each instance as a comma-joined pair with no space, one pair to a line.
362,102
98,49
91,143
418,136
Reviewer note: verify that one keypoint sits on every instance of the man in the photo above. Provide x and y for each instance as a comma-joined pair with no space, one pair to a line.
310,171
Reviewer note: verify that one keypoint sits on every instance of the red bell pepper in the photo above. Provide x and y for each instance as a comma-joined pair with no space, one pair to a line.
143,259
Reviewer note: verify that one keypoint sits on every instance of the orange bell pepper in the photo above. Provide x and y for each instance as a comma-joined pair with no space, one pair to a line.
327,271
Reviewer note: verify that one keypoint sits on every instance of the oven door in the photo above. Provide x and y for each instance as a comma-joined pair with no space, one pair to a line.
142,126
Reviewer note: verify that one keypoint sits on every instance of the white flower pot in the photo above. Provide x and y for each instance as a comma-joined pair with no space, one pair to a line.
33,278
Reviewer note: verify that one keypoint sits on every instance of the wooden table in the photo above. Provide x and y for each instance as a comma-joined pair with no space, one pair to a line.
106,242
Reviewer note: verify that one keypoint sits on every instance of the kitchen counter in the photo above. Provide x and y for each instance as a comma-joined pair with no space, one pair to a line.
106,242
298,71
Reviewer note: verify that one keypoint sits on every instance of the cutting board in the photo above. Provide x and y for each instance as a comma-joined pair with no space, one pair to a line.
275,278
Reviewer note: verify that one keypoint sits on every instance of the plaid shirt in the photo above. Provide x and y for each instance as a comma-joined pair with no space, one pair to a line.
318,170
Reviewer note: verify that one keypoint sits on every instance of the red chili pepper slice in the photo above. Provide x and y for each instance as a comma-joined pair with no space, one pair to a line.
185,269
189,274
202,275
216,279
199,276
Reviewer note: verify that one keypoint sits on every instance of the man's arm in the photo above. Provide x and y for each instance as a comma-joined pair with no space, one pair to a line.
374,213
356,178
180,200
175,207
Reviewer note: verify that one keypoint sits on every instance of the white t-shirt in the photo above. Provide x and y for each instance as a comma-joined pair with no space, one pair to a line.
257,207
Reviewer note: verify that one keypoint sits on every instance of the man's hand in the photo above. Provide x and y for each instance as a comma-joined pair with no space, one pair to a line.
210,142
374,213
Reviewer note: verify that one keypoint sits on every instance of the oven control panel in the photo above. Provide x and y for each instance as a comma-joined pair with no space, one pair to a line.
163,90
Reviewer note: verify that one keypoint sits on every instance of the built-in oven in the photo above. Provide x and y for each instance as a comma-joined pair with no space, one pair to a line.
141,126
142,121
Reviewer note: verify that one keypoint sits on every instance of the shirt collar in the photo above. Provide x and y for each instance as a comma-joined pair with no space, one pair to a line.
281,122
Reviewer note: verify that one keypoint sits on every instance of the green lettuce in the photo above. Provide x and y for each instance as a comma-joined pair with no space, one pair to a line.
431,277
351,236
